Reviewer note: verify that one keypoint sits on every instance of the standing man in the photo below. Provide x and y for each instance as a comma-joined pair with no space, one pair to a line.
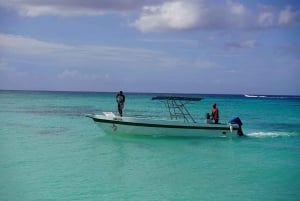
215,113
120,98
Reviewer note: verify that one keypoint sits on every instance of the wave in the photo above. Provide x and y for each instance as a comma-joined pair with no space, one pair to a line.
261,134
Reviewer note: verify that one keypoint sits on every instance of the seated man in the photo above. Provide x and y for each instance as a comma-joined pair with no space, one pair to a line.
208,119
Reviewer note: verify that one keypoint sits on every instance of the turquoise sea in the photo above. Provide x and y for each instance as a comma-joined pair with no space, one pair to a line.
50,151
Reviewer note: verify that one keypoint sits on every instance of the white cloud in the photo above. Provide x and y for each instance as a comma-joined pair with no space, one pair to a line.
28,53
247,44
82,76
266,19
287,16
166,15
68,74
34,8
5,69
237,9
169,15
23,45
192,14
203,14
48,53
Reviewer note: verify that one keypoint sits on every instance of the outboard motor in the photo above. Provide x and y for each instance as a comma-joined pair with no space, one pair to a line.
239,122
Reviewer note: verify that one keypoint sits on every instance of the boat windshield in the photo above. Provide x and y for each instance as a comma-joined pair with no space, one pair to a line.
176,106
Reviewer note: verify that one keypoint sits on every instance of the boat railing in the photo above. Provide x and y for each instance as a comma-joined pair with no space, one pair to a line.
176,107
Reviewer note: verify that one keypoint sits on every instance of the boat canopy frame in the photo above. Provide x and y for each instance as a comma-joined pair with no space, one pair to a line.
176,106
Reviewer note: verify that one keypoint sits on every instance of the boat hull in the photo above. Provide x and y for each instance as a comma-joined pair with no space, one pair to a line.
139,126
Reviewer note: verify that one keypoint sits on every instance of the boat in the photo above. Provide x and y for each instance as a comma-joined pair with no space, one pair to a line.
180,124
254,96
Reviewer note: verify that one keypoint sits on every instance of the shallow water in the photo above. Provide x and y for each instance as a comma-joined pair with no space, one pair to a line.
51,151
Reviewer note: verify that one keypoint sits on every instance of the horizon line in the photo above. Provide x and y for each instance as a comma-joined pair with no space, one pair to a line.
137,92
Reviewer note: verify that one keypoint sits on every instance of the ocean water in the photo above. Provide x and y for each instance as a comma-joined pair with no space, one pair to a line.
50,151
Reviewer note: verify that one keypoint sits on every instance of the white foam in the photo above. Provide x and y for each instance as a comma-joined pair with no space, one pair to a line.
269,134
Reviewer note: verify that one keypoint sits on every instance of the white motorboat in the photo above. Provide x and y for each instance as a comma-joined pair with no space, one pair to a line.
181,123
254,96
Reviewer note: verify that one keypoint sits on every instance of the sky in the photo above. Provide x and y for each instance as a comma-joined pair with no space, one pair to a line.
167,46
